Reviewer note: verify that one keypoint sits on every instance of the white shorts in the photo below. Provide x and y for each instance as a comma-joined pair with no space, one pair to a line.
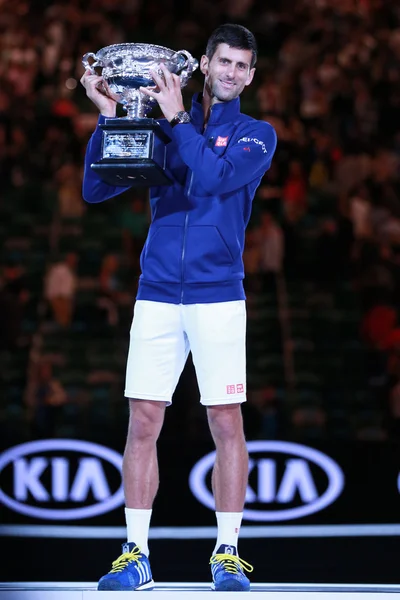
161,337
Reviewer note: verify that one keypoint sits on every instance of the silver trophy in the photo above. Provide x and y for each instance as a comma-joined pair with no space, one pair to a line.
134,146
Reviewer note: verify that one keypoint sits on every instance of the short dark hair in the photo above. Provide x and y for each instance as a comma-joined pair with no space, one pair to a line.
236,36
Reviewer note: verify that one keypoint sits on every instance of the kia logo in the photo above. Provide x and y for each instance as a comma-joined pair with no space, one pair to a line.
297,478
60,473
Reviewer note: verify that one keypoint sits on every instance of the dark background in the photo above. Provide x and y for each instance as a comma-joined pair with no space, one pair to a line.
370,496
344,560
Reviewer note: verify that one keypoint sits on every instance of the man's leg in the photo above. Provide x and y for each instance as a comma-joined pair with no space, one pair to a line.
157,354
229,482
217,335
140,468
131,571
140,465
230,473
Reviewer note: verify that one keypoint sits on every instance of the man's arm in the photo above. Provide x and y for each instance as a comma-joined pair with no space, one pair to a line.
244,161
94,189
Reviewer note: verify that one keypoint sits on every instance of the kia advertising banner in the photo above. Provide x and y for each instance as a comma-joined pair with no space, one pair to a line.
67,481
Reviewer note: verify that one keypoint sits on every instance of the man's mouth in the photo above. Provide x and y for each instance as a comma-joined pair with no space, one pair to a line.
227,84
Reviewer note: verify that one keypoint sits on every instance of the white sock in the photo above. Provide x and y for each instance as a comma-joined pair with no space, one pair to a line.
228,528
137,527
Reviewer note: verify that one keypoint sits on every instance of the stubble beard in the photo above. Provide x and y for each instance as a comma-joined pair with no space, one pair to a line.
224,95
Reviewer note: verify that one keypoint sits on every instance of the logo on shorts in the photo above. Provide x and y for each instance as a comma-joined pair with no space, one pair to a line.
235,389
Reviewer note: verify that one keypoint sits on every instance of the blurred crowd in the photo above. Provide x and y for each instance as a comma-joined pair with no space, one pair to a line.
328,79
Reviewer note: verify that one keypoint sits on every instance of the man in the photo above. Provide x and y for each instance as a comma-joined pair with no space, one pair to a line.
60,288
190,295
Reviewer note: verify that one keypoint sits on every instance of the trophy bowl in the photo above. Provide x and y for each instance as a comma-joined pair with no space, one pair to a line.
126,67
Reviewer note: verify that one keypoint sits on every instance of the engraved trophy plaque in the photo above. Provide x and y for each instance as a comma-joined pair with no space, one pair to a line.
134,146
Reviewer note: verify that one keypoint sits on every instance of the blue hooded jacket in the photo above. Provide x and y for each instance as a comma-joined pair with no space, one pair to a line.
194,247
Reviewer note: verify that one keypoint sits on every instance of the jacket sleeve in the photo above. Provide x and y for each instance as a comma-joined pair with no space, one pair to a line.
95,189
245,160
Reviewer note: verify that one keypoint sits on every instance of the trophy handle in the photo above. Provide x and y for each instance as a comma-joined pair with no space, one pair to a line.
190,64
90,66
188,67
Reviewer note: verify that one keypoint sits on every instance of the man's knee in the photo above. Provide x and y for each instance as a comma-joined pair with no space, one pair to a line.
145,419
225,421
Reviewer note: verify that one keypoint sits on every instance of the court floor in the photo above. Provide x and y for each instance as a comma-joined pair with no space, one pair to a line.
198,591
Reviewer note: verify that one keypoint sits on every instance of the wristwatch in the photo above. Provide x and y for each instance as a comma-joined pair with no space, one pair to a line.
181,117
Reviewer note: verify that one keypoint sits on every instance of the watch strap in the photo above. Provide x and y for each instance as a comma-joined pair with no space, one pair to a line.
181,117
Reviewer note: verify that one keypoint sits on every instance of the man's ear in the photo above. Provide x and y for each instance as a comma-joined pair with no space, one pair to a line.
250,77
204,64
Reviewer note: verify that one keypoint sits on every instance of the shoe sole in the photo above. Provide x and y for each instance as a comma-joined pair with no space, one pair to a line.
114,588
230,586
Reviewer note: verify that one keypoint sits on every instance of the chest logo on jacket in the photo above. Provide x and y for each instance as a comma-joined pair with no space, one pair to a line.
221,141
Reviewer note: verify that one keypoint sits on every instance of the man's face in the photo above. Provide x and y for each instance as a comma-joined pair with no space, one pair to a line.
227,73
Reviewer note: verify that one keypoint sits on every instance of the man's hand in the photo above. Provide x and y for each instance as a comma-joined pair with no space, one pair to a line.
106,105
169,96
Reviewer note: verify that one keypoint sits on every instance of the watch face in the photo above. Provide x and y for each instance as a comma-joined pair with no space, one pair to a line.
183,117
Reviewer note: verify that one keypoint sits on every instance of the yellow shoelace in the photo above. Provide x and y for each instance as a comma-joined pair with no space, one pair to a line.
125,558
232,563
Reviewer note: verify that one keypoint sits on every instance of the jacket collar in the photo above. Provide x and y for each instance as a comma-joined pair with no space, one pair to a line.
223,112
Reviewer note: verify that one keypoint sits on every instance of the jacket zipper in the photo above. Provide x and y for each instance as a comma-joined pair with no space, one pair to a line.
185,229
184,238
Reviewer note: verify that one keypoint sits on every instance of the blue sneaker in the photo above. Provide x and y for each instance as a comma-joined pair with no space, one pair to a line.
131,571
227,571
